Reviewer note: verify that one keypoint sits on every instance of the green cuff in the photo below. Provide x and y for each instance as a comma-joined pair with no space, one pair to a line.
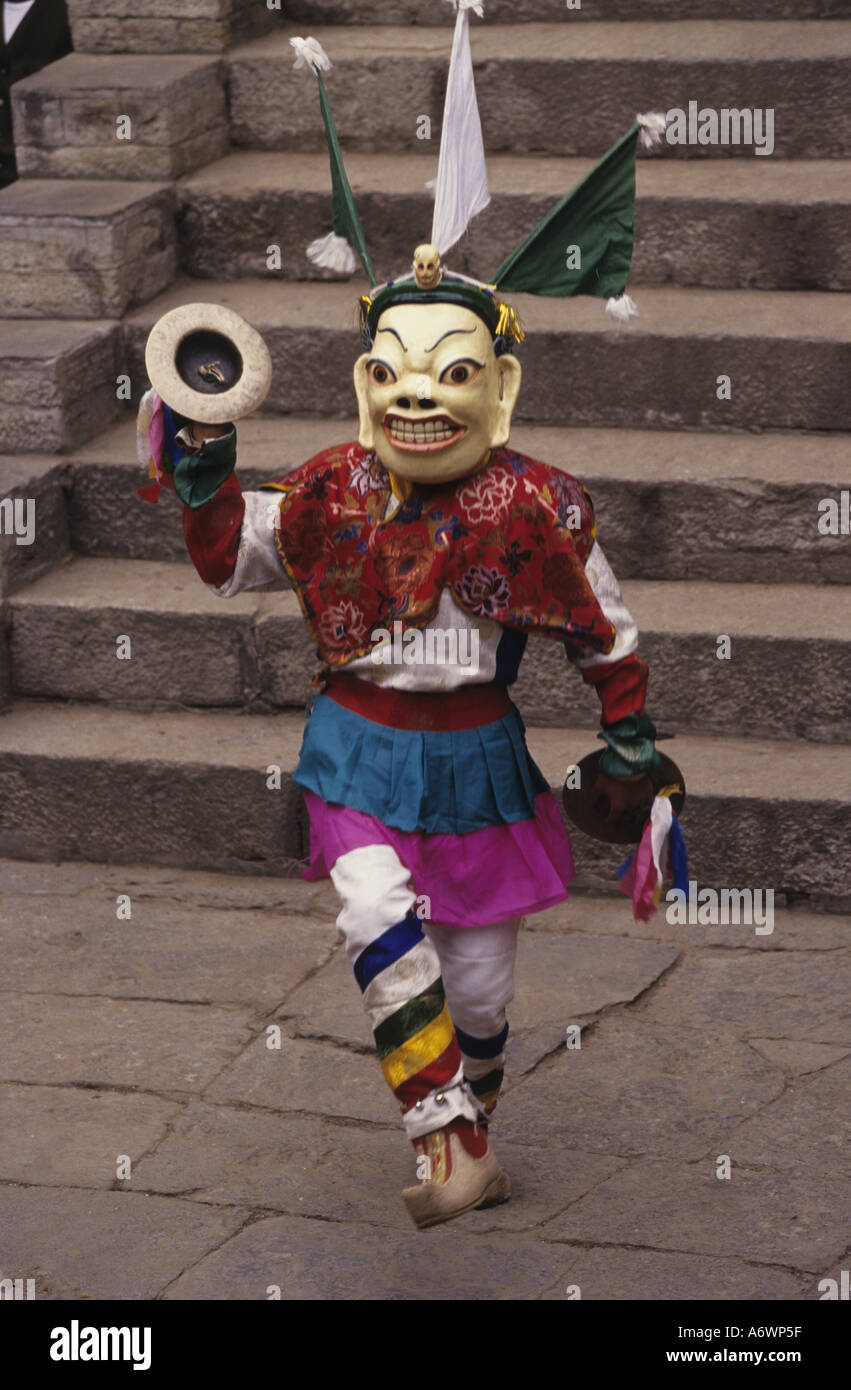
198,477
631,749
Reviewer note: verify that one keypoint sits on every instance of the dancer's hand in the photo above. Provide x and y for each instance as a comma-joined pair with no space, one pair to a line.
621,794
201,432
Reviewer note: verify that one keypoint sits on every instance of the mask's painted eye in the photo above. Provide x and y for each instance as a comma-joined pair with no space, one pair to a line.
380,373
460,373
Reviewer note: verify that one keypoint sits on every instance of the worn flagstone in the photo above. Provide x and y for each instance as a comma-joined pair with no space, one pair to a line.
314,1077
291,896
110,1245
601,1143
329,1261
544,1181
764,1216
806,1130
38,880
329,1006
611,1273
57,1135
638,1087
785,995
156,1046
562,980
797,1056
302,1164
163,951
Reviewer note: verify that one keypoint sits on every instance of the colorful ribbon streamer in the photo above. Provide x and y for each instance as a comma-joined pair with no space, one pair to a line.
660,855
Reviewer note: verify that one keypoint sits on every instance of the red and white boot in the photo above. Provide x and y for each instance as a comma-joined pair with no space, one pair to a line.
461,1172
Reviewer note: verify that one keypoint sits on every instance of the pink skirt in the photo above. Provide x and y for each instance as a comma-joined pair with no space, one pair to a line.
473,880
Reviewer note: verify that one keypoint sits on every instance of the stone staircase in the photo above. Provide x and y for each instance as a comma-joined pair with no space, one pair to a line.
708,508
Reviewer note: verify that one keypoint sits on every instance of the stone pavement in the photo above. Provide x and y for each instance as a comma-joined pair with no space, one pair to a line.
147,1040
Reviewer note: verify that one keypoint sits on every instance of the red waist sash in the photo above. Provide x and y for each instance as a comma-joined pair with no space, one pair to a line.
439,711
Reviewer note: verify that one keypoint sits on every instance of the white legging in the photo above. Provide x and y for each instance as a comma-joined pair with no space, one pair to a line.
477,964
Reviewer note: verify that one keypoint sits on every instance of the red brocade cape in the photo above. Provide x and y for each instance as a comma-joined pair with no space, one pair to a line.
510,542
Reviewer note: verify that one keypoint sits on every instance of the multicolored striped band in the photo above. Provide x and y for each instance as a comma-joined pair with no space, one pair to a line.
416,1043
482,1047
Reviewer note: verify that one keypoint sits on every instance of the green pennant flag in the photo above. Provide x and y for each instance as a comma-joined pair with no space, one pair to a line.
584,244
345,220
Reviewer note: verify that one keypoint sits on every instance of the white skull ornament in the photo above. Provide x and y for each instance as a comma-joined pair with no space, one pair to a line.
426,265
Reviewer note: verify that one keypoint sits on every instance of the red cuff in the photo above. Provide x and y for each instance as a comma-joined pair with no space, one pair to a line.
212,533
621,686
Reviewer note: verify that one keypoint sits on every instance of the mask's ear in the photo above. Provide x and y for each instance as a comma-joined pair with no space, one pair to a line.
509,388
366,437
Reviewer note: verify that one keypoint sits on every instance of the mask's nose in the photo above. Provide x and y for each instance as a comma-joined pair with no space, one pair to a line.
424,402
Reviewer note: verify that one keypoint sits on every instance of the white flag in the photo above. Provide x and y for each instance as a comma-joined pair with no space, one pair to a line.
462,181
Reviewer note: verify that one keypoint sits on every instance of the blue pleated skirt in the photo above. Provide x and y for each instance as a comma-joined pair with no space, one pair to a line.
438,783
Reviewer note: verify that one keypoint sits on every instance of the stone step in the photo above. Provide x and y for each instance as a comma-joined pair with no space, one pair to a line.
5,663
538,11
552,88
84,248
33,536
192,789
775,224
67,117
187,647
786,354
670,506
166,26
58,382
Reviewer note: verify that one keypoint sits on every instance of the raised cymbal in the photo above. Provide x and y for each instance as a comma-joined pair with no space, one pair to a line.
207,363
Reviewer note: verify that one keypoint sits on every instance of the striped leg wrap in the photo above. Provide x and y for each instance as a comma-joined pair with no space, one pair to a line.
484,1065
398,972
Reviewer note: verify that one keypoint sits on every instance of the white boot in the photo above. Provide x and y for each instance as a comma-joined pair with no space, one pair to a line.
463,1172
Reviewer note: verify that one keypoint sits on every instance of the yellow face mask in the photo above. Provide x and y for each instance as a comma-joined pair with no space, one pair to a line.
433,397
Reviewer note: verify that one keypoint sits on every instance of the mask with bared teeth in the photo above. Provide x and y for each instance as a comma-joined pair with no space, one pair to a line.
437,388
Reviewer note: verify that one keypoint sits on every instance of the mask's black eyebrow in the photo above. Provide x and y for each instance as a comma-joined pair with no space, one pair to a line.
395,335
448,334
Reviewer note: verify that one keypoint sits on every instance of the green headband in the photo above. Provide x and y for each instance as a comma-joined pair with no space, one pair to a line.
499,318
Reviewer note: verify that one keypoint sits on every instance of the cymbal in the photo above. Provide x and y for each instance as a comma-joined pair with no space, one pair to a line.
587,806
207,363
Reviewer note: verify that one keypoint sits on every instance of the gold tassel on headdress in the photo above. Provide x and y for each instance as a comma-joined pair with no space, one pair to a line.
364,306
508,324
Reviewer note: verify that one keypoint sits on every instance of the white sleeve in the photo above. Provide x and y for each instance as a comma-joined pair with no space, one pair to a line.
258,564
601,577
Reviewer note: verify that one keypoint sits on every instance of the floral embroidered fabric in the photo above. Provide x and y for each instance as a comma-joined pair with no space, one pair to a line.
510,542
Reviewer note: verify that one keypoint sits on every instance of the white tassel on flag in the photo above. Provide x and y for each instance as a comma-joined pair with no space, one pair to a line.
661,816
462,181
653,126
621,308
309,53
332,252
